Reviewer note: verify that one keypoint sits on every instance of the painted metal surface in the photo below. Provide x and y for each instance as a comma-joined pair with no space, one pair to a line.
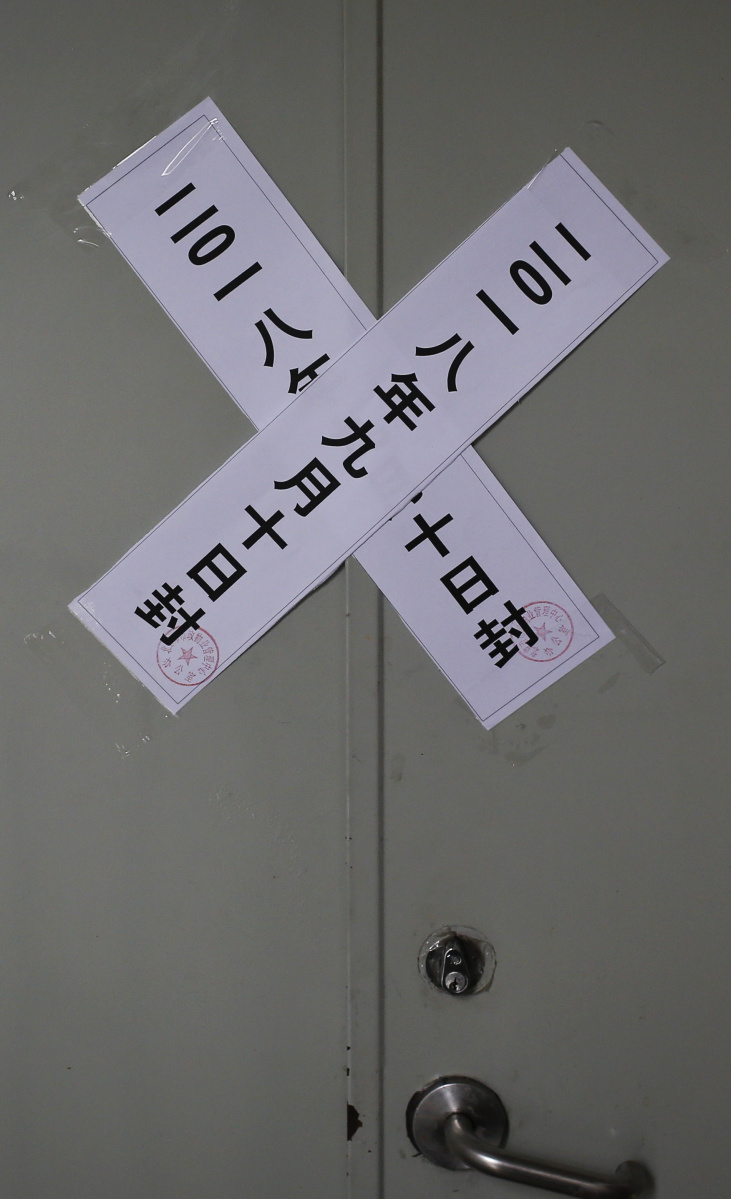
588,838
173,915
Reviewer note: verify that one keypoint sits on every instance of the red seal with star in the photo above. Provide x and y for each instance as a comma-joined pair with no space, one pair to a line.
553,629
190,660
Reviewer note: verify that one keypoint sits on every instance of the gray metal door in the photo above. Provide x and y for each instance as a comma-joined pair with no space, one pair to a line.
180,925
586,837
173,890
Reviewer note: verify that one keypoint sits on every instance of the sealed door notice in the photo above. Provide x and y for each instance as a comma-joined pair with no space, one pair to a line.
258,298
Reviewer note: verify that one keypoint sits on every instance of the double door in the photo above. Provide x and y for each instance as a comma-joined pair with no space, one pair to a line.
201,913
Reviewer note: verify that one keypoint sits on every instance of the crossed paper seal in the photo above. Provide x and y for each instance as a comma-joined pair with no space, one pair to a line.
365,427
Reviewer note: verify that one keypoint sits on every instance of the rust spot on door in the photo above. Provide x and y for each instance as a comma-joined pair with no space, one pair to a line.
354,1121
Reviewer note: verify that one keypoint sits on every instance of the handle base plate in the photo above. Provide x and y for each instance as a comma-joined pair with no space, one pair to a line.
428,1111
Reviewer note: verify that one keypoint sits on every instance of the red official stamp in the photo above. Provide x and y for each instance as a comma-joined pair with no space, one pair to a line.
553,628
189,660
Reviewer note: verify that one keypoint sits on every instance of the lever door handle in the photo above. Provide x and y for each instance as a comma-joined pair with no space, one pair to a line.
461,1124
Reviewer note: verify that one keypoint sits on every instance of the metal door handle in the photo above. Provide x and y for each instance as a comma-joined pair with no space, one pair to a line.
460,1124
459,1135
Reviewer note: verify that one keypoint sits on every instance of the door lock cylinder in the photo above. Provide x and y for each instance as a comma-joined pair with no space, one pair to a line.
454,962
